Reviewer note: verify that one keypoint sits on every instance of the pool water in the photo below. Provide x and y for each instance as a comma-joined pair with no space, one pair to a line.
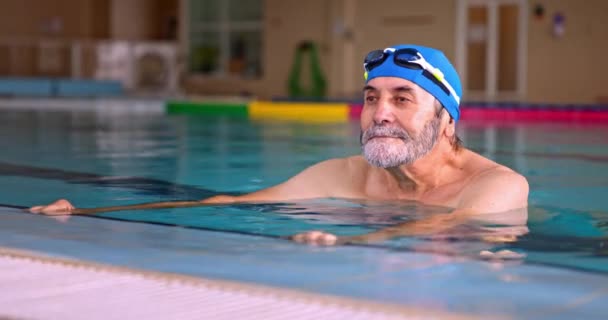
97,159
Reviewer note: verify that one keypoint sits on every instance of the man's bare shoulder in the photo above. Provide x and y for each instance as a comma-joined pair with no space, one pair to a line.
339,163
339,168
337,177
357,162
503,175
494,187
474,163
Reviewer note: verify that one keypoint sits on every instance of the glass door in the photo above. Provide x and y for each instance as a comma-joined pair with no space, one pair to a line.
491,48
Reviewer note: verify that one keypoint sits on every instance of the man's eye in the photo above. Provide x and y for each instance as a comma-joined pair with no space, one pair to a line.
370,98
402,99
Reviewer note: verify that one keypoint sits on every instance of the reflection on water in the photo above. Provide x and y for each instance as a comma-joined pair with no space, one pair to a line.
537,235
566,165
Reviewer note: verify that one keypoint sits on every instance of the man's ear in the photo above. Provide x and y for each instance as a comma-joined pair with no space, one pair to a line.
450,124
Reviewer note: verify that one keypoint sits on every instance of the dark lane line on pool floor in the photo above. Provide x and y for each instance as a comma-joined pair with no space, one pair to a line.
144,185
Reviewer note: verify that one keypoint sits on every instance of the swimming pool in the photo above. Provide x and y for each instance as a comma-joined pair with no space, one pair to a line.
100,159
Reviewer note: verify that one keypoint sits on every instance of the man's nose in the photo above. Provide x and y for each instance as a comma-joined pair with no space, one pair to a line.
384,113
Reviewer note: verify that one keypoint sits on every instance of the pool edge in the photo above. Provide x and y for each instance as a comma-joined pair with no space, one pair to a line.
342,305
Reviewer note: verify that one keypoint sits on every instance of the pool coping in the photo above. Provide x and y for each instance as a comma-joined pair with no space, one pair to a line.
340,306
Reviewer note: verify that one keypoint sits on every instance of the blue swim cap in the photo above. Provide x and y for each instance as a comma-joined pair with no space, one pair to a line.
437,59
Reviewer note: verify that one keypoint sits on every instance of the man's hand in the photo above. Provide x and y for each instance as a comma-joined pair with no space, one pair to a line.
59,207
316,238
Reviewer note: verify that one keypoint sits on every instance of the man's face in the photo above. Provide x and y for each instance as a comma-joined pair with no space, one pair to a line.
399,123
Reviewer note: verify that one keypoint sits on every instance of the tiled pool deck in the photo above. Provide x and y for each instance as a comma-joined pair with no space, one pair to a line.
42,287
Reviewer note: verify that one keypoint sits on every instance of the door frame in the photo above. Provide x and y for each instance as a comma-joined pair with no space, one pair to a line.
491,92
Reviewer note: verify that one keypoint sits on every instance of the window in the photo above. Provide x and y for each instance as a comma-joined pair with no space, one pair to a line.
225,37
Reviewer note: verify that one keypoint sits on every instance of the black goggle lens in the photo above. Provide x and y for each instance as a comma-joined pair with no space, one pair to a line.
374,58
406,58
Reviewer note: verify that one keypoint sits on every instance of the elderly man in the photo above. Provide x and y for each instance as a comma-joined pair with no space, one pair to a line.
410,152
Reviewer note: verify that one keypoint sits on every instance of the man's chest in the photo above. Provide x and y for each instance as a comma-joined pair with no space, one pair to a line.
447,196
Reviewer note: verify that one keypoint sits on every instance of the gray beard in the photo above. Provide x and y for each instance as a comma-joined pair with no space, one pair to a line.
405,150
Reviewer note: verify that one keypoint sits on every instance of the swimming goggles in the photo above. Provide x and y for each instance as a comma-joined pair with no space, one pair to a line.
411,59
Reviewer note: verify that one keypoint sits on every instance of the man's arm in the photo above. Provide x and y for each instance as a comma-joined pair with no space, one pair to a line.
316,181
496,191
